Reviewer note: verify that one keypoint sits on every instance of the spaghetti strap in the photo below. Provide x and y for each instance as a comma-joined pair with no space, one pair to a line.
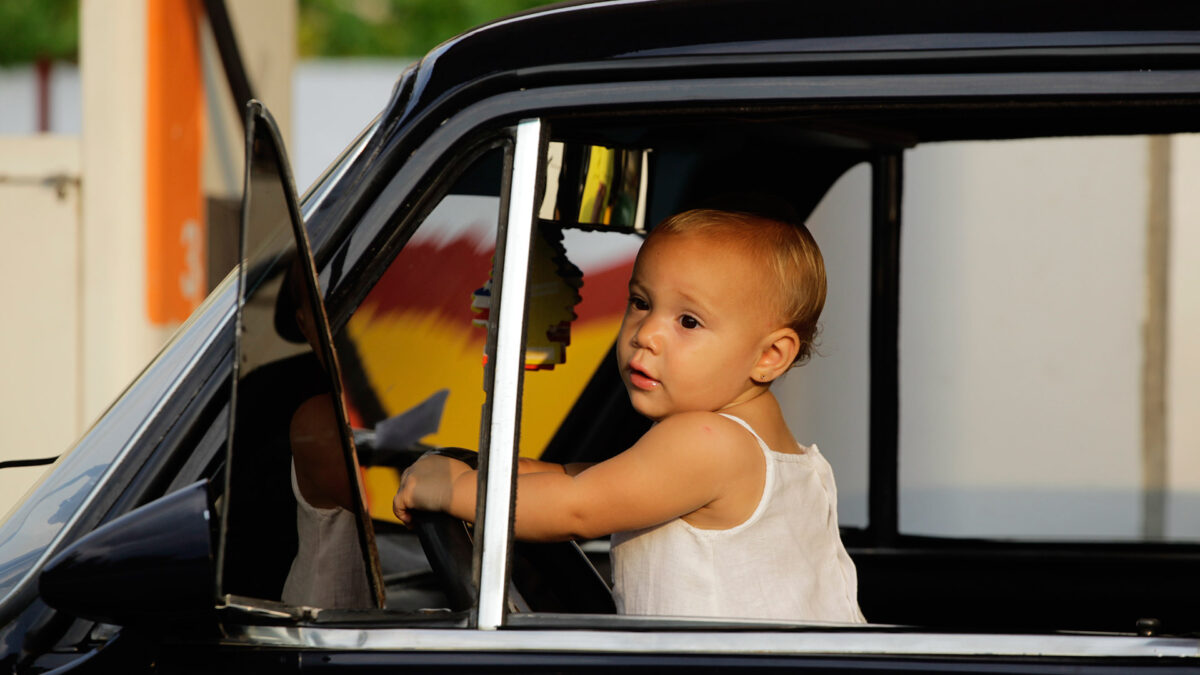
745,425
805,450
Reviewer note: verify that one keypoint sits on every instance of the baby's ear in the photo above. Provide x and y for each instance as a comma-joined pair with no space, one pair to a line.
780,351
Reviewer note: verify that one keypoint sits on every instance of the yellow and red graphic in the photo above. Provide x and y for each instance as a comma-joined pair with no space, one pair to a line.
554,283
414,334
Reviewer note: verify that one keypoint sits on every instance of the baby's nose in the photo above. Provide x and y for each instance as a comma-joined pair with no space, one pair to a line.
647,336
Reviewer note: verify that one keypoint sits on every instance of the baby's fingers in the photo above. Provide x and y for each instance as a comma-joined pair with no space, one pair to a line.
400,502
405,518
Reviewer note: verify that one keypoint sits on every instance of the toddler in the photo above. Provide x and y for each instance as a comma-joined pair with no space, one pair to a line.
716,511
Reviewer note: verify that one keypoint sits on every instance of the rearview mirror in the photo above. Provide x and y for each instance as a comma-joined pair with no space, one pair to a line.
594,186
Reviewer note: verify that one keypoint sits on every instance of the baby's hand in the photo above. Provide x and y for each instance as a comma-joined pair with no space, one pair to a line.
427,485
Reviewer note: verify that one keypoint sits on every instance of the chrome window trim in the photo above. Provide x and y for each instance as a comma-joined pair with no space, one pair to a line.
863,641
505,395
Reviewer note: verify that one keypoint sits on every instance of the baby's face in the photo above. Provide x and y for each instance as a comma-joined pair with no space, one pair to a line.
697,322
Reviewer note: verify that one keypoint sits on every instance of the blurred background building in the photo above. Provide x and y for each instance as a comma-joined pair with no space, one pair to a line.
120,172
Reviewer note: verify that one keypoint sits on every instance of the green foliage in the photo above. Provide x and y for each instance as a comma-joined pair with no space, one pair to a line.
38,29
398,28
49,29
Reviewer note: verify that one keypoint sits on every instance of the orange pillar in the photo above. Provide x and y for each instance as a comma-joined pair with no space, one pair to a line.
176,233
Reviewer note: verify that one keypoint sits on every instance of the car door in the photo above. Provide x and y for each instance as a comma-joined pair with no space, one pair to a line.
291,478
876,142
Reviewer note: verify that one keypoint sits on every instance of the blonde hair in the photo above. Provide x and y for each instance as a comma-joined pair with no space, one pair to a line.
788,248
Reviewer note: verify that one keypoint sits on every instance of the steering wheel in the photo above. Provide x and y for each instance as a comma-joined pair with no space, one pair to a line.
548,577
447,543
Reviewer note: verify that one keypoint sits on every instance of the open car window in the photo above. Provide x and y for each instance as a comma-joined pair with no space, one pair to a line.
827,400
291,473
580,265
418,336
850,186
1036,391
419,341
414,359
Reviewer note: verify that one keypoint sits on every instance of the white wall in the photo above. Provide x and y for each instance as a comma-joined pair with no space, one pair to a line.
74,266
39,294
1021,303
118,338
333,100
825,400
1023,297
325,105
1183,343
18,115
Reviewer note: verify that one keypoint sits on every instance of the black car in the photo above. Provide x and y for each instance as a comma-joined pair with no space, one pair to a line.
455,278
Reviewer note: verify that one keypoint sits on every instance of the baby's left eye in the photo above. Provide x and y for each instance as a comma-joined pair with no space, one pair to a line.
689,322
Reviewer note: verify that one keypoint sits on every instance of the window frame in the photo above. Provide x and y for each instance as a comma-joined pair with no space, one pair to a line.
500,429
837,92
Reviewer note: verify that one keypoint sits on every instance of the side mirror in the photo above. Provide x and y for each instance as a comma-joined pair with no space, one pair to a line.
150,567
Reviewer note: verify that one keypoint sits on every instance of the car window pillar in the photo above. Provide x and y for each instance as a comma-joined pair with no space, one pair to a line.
506,356
887,168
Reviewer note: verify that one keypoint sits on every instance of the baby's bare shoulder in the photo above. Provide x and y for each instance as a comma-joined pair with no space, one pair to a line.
700,432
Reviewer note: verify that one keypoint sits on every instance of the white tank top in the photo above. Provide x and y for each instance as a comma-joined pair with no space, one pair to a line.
786,561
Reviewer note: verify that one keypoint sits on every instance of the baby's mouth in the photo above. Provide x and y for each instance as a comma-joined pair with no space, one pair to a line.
641,380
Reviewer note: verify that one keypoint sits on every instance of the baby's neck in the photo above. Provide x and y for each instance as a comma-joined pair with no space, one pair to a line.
747,397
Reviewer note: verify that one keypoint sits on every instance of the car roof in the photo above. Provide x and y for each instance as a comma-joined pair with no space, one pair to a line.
580,42
624,32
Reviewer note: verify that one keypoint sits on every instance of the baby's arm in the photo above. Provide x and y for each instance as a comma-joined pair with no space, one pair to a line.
679,466
526,465
432,482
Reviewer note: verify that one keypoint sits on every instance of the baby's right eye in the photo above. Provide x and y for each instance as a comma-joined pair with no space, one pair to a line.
638,303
